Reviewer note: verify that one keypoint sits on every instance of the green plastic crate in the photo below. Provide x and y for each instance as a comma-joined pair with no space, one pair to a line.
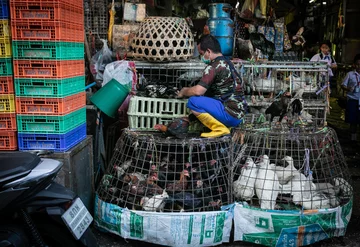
50,88
48,50
50,124
6,67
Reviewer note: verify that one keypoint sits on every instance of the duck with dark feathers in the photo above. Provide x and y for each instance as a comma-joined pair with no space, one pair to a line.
279,108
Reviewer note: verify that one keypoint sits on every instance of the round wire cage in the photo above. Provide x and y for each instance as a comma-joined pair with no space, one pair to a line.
290,170
163,39
152,173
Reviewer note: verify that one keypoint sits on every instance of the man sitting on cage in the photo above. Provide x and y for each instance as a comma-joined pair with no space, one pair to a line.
217,100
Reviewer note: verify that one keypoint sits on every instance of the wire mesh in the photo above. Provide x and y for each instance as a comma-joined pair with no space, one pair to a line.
179,74
152,173
288,170
313,96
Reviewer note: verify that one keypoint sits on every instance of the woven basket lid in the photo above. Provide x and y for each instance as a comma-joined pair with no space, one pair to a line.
161,39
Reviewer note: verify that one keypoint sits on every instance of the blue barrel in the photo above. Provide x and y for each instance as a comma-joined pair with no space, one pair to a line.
223,30
218,10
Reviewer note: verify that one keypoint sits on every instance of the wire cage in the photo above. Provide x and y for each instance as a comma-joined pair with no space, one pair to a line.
179,74
152,173
265,83
290,170
269,78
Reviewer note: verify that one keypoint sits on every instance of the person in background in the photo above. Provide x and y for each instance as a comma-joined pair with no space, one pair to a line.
217,100
351,85
325,55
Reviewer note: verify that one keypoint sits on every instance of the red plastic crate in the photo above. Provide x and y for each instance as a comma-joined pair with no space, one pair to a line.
77,3
8,140
46,11
7,122
47,30
48,69
6,85
50,106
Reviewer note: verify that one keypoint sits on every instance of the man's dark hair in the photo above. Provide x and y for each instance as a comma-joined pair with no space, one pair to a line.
357,57
210,42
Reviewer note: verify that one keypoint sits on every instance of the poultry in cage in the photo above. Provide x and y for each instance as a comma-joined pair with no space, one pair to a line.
152,173
301,172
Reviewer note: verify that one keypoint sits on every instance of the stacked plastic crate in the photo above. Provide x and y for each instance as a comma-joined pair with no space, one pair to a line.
8,139
49,73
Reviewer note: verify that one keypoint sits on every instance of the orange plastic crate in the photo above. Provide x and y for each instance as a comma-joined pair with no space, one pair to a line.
50,106
46,11
48,69
8,140
47,30
77,3
6,85
7,122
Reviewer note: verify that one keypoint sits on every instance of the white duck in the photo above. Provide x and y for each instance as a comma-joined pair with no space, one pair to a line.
267,183
286,173
244,185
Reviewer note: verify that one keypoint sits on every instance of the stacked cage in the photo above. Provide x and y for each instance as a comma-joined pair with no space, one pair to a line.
285,94
8,139
49,74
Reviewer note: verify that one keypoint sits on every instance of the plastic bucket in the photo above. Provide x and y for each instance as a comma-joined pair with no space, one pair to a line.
110,97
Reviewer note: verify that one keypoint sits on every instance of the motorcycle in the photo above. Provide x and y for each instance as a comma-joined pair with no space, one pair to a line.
35,210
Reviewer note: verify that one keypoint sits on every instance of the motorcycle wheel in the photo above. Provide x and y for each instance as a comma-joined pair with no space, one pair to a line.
55,235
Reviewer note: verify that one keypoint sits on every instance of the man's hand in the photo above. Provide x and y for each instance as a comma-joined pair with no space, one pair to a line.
180,94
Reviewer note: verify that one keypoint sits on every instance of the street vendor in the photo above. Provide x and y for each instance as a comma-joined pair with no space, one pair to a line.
217,100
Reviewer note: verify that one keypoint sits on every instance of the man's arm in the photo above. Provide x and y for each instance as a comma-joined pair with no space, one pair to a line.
197,90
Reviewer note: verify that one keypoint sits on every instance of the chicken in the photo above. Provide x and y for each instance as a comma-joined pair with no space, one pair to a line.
179,185
120,170
245,49
155,203
343,188
201,189
286,173
279,108
266,184
210,170
134,177
206,30
178,127
186,199
244,186
147,187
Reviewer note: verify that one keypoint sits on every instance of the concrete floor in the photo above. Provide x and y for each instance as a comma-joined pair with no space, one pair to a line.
351,152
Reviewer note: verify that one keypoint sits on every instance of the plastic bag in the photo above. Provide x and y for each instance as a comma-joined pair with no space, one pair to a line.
100,60
248,9
120,71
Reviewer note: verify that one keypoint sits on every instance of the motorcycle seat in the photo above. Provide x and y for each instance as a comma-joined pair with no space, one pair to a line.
15,165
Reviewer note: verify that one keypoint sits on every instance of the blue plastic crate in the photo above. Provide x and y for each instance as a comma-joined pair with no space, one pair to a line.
54,142
4,9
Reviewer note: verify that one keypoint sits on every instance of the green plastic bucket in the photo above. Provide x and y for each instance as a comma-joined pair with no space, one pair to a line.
110,97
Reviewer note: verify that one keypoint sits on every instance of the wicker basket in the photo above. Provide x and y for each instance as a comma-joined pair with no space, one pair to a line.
162,39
